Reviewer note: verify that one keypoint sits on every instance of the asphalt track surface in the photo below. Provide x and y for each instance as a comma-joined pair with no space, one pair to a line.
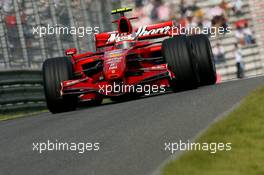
131,134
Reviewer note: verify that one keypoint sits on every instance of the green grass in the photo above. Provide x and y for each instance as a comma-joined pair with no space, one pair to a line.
20,114
244,128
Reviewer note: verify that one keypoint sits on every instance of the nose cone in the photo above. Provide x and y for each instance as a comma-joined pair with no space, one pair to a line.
114,65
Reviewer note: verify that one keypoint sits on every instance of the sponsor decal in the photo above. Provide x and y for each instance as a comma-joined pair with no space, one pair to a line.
141,31
113,58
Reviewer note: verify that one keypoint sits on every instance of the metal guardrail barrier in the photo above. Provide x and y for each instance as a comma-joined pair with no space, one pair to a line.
21,90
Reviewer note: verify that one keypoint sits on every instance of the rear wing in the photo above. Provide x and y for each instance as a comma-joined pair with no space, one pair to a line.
145,32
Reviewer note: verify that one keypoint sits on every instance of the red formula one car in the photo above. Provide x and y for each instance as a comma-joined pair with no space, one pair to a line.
128,62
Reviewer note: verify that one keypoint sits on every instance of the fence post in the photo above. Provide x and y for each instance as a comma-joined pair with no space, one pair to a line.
21,35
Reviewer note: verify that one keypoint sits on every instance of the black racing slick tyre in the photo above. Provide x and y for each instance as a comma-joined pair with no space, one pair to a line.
56,70
202,51
177,53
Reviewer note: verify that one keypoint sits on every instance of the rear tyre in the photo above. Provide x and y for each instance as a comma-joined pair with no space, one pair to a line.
55,71
177,53
202,51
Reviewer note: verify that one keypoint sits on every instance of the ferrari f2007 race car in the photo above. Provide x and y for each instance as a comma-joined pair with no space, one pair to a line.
125,62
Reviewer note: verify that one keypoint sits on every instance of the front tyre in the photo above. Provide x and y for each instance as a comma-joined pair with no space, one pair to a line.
202,51
56,70
177,53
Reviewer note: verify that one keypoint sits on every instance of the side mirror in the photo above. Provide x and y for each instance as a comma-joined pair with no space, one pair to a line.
71,51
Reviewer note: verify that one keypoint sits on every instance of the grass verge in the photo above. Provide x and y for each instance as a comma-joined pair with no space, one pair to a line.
244,128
